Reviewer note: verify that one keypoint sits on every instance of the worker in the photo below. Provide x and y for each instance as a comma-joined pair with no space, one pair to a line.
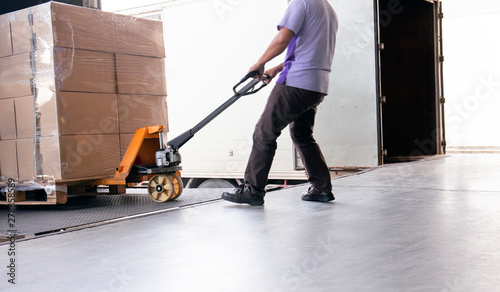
308,32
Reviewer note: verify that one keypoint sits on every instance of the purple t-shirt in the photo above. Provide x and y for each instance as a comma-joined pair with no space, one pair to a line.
309,55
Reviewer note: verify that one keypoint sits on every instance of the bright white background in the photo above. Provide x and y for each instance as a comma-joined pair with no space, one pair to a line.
472,73
115,5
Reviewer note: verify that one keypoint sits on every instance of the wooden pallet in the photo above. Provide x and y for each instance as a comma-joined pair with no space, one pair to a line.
50,193
36,195
56,192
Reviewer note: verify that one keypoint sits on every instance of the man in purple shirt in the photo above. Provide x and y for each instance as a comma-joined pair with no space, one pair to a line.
308,31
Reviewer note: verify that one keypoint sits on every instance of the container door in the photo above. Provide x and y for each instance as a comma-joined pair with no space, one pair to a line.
410,79
346,126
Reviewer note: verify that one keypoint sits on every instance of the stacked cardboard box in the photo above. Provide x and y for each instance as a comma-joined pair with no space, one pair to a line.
75,84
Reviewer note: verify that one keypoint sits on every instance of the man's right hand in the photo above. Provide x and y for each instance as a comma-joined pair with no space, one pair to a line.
259,68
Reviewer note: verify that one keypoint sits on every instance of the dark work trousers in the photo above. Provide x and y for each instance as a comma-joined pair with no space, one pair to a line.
295,107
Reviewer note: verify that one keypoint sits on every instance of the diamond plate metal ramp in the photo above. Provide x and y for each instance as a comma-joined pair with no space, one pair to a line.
81,210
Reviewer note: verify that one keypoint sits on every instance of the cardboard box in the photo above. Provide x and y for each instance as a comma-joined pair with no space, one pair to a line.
88,156
84,71
21,32
7,120
82,28
15,76
140,75
145,34
137,111
87,113
67,113
47,115
70,157
5,38
26,161
8,160
31,23
25,117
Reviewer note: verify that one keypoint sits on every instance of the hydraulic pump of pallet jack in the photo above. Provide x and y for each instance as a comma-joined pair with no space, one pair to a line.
170,155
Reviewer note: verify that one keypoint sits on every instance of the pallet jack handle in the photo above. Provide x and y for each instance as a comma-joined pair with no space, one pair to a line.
247,89
250,87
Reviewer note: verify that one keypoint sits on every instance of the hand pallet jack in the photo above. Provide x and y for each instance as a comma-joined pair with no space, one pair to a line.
147,158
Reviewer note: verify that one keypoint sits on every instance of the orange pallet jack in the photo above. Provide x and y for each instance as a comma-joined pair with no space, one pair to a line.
149,159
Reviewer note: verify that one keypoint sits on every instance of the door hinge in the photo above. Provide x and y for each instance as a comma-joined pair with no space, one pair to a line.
383,99
381,46
441,15
384,153
441,59
442,100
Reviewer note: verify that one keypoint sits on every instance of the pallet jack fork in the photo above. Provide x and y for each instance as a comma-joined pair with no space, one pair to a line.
148,159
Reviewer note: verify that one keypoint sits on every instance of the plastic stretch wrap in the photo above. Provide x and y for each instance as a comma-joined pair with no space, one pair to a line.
75,84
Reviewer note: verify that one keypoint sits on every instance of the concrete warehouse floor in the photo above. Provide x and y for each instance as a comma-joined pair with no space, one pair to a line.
431,225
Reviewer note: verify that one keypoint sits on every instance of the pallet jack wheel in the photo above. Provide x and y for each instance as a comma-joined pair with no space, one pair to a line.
161,188
178,186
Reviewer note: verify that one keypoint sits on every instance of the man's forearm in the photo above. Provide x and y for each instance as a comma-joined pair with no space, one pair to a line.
278,45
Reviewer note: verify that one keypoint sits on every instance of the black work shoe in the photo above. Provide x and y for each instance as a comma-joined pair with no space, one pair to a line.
313,195
243,195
